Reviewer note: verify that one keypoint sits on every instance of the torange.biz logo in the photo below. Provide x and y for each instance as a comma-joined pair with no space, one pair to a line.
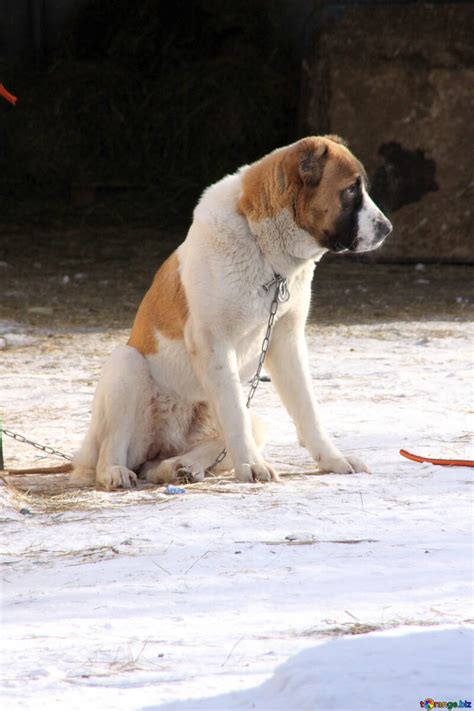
430,704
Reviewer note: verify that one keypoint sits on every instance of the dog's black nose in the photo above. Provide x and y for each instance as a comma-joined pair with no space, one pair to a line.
383,228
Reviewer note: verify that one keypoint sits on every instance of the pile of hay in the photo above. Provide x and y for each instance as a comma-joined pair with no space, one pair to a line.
153,97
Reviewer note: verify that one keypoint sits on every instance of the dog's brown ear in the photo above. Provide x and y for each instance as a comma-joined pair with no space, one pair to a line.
312,157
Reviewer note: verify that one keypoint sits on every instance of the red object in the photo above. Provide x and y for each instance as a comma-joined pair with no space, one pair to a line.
6,95
440,462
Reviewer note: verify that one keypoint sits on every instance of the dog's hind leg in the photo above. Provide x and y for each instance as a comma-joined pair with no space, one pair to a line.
193,464
85,461
188,467
121,428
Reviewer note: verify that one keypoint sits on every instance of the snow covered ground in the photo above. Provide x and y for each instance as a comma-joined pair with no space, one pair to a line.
236,596
357,672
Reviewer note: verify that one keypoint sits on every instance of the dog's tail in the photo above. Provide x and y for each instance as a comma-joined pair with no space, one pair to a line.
59,469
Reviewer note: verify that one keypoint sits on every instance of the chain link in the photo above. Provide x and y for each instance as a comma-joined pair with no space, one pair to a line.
44,448
281,296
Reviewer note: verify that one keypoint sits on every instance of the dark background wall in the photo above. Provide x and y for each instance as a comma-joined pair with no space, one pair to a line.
28,26
128,110
139,106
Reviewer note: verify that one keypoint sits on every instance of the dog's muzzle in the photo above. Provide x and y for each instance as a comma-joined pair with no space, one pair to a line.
382,229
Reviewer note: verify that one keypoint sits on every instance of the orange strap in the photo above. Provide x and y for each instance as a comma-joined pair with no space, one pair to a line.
6,95
59,469
440,462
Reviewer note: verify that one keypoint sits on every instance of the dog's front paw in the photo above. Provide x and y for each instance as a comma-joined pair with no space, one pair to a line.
260,471
342,465
357,464
117,477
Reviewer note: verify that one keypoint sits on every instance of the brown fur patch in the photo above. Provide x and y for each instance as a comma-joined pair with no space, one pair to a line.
266,187
164,309
317,210
306,178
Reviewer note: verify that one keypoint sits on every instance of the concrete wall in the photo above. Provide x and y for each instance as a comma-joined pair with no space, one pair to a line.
397,82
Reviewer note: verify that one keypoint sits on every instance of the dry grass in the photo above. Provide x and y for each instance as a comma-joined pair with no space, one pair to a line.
50,494
355,628
44,556
41,494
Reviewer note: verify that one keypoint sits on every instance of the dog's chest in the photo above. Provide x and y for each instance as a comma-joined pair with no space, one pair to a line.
248,311
249,320
255,302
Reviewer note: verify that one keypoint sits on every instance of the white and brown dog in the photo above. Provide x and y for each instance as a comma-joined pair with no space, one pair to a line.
171,399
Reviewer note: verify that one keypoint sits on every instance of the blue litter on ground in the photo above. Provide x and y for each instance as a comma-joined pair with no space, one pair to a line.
174,490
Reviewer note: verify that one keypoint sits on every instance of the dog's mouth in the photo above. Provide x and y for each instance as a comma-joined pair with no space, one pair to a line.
339,247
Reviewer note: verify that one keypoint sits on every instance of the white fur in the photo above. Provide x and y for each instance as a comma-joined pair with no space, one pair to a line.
369,217
143,408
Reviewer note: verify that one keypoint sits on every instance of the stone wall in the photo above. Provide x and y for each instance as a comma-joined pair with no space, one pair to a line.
398,83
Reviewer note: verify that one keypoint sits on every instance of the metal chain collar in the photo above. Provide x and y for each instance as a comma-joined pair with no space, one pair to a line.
281,296
37,445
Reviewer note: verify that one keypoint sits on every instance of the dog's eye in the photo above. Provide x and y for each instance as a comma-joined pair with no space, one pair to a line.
350,192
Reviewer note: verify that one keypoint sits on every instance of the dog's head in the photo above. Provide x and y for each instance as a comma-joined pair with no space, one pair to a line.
324,188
